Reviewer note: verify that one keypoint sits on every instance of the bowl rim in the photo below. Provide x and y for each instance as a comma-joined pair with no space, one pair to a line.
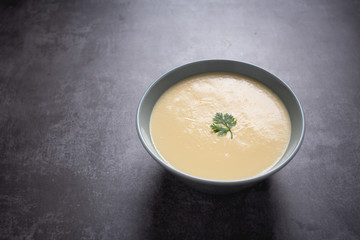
252,179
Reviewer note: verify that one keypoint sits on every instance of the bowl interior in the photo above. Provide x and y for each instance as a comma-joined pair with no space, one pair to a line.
275,84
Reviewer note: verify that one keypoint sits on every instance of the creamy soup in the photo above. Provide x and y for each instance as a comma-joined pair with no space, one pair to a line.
181,119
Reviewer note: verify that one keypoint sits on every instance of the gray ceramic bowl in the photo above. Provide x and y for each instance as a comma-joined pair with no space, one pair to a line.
275,84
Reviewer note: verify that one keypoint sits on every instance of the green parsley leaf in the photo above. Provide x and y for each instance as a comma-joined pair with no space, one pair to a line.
223,124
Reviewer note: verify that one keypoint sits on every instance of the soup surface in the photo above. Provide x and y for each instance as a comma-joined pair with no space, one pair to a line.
181,119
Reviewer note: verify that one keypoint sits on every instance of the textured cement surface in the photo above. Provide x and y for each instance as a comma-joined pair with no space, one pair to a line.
73,72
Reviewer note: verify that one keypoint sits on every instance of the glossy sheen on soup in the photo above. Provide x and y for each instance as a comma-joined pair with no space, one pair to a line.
180,126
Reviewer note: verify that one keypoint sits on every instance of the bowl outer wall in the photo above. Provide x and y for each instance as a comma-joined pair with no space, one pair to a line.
284,92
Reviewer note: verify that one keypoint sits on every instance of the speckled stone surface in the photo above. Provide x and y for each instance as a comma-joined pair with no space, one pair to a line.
73,72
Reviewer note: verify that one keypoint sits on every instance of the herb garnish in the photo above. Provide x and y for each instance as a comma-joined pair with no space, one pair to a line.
226,121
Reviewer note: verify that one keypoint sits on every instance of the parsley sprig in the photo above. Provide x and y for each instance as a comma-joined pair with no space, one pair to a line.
223,124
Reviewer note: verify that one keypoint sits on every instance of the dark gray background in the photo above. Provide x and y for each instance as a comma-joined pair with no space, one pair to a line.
73,72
